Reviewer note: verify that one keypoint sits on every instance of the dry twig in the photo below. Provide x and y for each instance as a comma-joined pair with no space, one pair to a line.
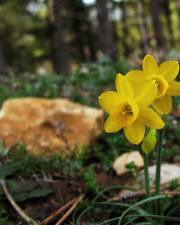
139,194
21,212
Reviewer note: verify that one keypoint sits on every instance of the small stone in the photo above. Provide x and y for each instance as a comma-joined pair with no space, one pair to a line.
120,163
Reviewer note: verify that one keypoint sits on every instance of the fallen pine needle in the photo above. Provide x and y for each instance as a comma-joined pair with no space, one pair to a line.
57,212
65,216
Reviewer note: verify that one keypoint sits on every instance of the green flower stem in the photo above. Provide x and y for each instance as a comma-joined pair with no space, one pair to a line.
158,162
146,173
158,167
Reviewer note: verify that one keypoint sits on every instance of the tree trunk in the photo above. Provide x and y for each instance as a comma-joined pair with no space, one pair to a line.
142,26
61,55
126,47
105,31
178,11
3,69
167,12
157,26
83,31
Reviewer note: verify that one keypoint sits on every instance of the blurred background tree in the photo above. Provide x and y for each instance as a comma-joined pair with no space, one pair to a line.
57,35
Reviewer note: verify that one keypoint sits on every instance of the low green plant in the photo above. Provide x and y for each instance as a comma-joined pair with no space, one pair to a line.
4,218
133,169
82,85
108,148
174,184
139,211
90,181
25,164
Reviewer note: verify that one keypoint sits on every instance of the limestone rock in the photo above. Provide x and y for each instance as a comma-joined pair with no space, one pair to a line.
120,163
168,172
49,126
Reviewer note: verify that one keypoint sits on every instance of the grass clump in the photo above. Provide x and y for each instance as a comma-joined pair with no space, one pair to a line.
90,181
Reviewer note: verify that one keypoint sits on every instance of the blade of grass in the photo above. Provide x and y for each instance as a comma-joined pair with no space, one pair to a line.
144,223
138,204
176,219
110,188
173,210
108,221
144,213
81,215
111,203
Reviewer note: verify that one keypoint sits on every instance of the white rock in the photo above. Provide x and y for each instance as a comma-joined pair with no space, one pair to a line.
120,163
168,173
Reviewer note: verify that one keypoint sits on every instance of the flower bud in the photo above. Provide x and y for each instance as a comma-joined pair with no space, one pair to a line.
149,141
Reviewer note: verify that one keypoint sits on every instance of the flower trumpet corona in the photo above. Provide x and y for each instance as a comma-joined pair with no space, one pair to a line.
164,76
128,111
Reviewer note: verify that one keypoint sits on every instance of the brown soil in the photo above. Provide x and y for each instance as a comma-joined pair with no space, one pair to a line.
65,189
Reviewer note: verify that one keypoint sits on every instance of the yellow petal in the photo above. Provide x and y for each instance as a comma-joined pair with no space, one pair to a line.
108,100
163,105
146,93
112,124
135,132
135,76
174,88
169,70
151,118
123,87
150,67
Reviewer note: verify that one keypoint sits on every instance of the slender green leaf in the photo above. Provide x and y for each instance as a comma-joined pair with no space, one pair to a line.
138,204
7,170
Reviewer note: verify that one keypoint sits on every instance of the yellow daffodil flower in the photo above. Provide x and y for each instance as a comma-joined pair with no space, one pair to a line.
164,76
128,111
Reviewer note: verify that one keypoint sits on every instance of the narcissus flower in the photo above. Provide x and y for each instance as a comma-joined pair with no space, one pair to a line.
128,111
163,75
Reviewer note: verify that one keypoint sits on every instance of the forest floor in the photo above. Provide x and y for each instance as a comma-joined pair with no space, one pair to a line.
40,186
